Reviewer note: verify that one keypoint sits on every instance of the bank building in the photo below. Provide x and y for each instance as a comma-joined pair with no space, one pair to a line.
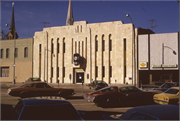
84,52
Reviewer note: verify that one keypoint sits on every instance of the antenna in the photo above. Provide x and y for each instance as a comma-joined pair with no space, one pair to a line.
151,22
45,23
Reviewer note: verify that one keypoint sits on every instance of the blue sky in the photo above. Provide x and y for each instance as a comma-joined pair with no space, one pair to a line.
29,15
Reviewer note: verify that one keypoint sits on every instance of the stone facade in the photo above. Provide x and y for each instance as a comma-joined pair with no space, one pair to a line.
54,48
23,68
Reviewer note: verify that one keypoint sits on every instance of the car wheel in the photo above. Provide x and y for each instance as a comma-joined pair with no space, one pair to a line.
112,102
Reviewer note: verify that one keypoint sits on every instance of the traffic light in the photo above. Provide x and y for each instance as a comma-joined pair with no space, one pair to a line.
76,59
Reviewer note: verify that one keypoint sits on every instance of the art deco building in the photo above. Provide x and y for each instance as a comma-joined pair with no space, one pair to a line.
106,52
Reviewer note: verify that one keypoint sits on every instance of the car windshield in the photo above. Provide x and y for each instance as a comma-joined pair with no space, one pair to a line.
107,89
50,112
36,79
166,85
101,82
24,84
172,91
130,89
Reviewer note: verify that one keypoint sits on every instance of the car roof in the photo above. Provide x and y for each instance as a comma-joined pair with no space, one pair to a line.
158,111
43,102
174,87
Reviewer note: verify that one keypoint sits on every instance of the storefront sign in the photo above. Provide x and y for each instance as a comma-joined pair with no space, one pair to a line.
143,64
164,66
156,66
169,65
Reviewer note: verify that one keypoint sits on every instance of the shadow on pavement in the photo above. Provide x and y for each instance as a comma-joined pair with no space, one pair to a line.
75,97
128,105
96,115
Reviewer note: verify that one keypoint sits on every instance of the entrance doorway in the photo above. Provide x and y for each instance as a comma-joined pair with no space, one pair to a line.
79,77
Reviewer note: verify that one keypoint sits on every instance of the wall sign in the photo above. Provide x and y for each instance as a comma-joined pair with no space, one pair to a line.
156,66
143,64
169,65
164,66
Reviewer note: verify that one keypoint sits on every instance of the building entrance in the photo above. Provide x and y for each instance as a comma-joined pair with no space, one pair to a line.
79,77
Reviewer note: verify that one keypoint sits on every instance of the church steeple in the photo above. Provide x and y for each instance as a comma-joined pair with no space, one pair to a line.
12,28
70,19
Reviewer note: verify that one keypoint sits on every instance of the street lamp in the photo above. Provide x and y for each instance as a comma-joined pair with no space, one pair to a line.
14,82
174,52
133,51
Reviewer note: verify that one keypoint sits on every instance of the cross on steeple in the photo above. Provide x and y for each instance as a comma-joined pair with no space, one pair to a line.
70,19
12,28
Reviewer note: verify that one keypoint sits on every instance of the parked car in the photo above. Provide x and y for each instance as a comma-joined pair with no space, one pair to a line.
7,111
115,95
150,112
37,89
163,87
170,96
33,79
44,109
97,84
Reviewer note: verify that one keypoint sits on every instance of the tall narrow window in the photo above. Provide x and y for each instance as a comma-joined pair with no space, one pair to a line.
124,43
57,71
103,71
52,72
103,45
64,71
1,55
64,47
7,53
96,45
75,47
58,45
96,71
124,71
110,71
110,43
16,52
26,52
52,48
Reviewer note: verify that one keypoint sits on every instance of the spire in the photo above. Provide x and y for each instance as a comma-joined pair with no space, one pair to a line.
12,28
70,19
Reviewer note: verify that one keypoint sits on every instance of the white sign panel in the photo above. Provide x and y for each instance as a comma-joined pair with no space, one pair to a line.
143,64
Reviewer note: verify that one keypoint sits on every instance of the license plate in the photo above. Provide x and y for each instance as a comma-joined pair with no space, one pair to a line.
160,102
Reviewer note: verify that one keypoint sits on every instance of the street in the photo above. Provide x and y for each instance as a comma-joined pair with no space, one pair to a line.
89,111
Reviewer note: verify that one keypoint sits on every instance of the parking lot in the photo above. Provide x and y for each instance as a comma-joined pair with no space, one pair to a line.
89,111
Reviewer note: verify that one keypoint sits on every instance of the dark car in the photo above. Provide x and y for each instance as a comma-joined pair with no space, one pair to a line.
150,112
33,79
164,87
118,95
44,109
39,89
97,84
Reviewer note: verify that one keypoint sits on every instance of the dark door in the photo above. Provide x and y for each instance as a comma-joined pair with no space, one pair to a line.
79,77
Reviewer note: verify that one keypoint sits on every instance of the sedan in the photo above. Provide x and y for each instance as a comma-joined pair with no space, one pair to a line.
170,96
39,89
116,95
44,109
97,84
150,112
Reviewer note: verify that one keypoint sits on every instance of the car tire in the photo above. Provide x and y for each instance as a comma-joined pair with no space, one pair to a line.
112,102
